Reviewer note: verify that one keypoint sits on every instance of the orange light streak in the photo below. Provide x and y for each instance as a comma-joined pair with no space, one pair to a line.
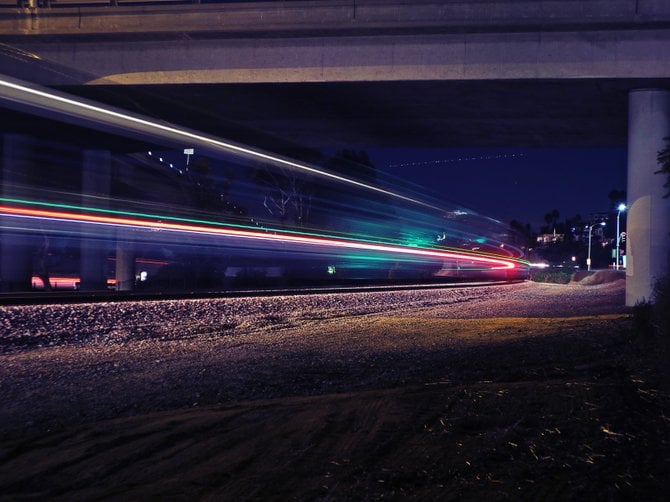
493,263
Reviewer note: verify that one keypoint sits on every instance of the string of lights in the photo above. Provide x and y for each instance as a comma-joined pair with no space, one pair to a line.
459,159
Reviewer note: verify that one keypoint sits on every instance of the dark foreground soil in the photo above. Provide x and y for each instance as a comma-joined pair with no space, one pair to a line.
504,408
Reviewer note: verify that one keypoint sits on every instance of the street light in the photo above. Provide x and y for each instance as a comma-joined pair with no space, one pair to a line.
621,207
588,259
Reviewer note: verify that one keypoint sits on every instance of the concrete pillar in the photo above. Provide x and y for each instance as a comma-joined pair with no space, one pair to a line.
125,264
16,248
648,222
95,189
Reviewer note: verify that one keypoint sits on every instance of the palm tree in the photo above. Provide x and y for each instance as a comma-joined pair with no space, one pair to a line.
524,232
552,219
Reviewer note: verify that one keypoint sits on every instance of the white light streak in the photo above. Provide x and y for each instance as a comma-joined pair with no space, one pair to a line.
36,97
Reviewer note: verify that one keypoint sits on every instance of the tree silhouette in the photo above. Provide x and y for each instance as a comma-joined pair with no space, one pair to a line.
664,161
372,209
574,226
286,195
524,232
551,218
353,164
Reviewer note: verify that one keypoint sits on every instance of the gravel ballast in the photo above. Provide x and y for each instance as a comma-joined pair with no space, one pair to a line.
522,390
64,364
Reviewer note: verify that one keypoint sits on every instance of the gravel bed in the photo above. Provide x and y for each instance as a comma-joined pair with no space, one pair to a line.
39,326
67,364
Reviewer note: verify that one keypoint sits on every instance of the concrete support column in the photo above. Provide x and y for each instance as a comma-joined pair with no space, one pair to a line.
648,223
125,263
16,251
95,189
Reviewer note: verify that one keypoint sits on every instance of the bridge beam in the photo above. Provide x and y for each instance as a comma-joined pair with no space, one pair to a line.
648,223
339,41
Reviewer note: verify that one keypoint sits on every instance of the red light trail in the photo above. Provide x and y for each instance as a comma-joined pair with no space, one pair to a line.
493,263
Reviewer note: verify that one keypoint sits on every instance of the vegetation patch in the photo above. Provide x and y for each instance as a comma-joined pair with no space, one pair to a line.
552,275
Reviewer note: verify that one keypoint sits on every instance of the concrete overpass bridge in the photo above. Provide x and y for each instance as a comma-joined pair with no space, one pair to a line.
378,72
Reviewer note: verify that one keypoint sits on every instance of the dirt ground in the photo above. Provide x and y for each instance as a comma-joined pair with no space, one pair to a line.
454,408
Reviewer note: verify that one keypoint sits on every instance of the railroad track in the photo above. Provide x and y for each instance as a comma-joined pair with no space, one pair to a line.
69,297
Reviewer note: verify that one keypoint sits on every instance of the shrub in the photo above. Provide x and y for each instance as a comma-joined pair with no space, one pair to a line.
552,275
662,306
643,318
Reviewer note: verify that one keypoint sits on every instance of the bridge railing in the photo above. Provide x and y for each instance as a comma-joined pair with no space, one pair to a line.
457,14
449,9
55,4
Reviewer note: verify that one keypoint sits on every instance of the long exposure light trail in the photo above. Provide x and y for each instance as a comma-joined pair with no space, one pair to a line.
210,223
260,235
27,95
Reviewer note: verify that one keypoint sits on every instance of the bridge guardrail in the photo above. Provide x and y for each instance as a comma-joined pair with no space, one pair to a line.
88,16
55,4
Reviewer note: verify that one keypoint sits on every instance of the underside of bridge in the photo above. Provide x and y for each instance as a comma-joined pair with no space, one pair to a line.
297,118
391,114
288,117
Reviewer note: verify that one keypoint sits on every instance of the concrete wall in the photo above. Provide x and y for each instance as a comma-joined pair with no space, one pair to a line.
96,16
361,40
552,55
648,246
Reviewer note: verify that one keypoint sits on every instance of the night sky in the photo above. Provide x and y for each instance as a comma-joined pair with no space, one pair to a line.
507,183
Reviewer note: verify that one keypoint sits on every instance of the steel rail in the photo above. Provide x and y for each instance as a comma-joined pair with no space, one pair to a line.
76,297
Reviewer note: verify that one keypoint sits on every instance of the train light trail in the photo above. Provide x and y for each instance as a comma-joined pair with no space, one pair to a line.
59,103
361,238
351,225
220,230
